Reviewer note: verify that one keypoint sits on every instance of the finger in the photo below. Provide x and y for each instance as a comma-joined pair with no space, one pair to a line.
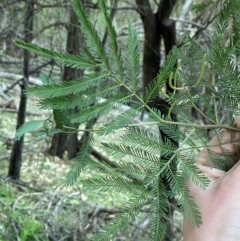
233,176
228,142
211,173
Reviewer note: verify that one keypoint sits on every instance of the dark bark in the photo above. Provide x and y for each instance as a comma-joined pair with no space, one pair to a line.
61,143
16,155
158,27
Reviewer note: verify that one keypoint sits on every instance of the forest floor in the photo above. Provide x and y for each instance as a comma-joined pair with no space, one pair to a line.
40,206
41,194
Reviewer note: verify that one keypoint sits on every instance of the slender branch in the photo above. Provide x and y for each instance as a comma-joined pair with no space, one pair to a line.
66,4
58,4
2,110
218,126
30,72
56,24
21,184
160,120
189,22
100,157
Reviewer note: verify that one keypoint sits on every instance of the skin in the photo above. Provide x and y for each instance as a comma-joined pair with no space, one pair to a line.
219,204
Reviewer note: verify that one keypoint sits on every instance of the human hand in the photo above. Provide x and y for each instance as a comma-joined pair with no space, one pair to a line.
219,204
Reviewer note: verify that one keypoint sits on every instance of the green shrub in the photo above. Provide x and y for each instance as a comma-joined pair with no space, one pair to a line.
143,159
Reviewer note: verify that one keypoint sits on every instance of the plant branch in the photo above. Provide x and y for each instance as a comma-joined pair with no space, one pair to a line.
30,72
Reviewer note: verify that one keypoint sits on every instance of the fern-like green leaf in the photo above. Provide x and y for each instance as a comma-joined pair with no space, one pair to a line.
158,209
86,54
90,35
120,121
189,208
69,60
136,137
122,220
80,161
112,184
28,127
137,172
80,100
202,6
119,151
185,200
104,168
132,59
189,170
66,88
58,118
171,130
114,51
99,109
223,162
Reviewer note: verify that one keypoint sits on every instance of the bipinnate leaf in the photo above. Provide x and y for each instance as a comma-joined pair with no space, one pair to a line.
159,209
132,59
91,36
69,60
66,88
122,219
80,161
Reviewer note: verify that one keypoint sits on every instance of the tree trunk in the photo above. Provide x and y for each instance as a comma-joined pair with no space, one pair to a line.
16,155
158,27
62,144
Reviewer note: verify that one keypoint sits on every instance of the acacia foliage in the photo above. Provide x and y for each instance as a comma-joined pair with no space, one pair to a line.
142,159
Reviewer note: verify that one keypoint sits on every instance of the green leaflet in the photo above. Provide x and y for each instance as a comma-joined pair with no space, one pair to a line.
120,121
58,118
80,161
98,110
91,36
66,88
132,59
136,137
28,127
67,59
159,210
122,219
46,80
62,120
186,202
115,52
80,100
112,184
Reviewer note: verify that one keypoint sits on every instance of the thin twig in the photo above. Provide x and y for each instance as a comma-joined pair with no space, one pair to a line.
28,112
30,72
